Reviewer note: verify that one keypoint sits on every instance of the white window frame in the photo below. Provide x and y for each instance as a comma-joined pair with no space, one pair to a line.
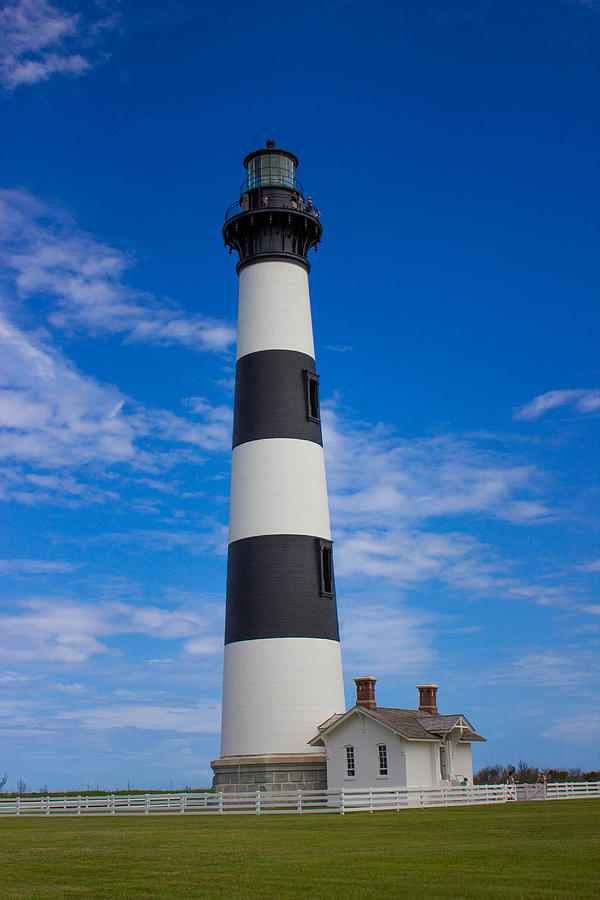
382,758
350,761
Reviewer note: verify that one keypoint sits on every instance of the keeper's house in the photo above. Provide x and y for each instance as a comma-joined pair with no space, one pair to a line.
371,746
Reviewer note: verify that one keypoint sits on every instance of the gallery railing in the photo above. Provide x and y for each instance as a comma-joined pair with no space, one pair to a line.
256,200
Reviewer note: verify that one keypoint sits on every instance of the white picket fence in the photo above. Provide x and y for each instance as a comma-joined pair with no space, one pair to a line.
572,790
261,802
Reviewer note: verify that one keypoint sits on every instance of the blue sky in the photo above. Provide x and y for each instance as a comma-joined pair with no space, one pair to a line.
452,149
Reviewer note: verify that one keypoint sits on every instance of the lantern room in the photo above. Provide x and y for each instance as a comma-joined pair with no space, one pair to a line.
271,167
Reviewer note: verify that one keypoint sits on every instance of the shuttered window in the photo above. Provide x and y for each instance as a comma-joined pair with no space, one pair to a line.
313,408
326,561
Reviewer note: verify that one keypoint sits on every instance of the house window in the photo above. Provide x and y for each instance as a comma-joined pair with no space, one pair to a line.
326,560
350,765
383,764
443,762
313,410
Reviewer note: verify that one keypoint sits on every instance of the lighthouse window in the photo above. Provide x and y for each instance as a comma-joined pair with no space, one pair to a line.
383,763
350,764
313,409
326,558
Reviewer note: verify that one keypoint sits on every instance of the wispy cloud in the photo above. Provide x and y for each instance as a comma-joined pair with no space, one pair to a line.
212,538
74,688
203,719
38,39
400,555
409,512
584,400
69,631
55,419
581,728
48,255
35,567
377,476
592,566
51,413
408,557
388,638
549,667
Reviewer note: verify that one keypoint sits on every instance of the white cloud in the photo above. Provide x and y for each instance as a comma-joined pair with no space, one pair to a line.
53,418
51,413
401,555
56,419
592,566
549,667
388,494
584,400
387,638
407,557
201,719
39,39
581,728
376,476
204,646
155,621
69,631
75,688
35,567
49,255
213,539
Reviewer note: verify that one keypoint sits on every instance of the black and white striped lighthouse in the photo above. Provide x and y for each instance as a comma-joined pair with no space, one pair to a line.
282,668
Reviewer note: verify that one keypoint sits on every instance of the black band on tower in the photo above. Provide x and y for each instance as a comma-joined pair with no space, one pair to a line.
274,589
271,397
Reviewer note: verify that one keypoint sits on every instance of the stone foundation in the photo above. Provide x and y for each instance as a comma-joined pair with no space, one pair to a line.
281,772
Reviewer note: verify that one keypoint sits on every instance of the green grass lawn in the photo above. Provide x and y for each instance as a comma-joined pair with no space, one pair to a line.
516,850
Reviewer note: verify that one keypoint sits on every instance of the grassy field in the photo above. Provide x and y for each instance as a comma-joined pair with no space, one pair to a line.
515,850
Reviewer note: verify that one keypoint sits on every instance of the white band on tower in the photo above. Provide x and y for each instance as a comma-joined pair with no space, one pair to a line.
274,312
278,486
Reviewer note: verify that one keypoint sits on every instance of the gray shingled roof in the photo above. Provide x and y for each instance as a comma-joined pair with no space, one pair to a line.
412,724
437,724
403,721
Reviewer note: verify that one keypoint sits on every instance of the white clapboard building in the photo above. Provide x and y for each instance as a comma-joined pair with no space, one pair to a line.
371,746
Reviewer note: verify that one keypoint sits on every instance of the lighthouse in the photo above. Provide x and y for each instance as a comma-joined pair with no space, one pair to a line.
282,673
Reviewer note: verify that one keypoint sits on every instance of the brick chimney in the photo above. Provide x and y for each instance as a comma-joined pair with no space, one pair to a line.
427,698
365,691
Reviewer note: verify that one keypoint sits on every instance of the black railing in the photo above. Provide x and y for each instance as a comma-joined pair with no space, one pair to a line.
261,200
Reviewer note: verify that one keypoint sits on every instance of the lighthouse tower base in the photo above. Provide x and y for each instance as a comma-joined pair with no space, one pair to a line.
275,772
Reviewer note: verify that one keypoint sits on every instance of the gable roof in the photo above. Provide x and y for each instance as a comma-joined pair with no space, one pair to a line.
410,724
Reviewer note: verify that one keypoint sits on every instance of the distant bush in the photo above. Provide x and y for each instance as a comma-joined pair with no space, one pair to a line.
132,791
526,774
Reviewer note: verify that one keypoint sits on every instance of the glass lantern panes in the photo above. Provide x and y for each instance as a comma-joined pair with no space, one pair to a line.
272,169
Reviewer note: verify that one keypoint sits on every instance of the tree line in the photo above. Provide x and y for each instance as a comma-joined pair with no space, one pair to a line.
22,790
526,774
